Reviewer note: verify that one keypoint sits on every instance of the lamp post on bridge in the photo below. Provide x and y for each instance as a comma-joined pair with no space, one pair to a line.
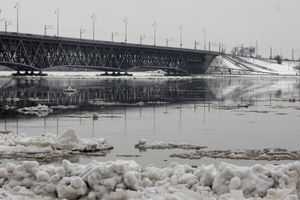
168,40
113,35
57,12
154,34
195,44
125,21
142,37
82,30
17,6
7,23
94,20
47,27
204,37
180,29
1,19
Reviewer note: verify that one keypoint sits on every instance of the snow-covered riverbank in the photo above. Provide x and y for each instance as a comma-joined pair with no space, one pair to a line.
126,180
245,65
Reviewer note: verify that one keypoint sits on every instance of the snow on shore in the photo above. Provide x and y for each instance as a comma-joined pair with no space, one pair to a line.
13,146
126,180
245,65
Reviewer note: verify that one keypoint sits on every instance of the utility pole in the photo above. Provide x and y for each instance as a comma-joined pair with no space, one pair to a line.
17,6
293,54
208,46
154,34
94,20
47,27
204,37
142,37
57,12
126,24
82,30
180,29
271,52
7,23
113,34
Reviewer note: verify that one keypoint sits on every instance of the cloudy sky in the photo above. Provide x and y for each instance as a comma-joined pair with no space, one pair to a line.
272,23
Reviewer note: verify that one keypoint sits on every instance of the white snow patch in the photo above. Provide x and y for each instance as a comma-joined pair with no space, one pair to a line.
125,180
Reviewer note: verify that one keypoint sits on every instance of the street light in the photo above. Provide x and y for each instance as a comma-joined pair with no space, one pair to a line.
180,29
125,21
114,34
57,12
154,27
7,23
82,30
195,44
17,6
47,27
94,20
142,37
168,40
204,37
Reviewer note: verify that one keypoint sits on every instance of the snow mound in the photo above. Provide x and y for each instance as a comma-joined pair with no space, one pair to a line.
49,145
142,145
126,180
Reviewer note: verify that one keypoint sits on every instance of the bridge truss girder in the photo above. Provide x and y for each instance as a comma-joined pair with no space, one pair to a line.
36,54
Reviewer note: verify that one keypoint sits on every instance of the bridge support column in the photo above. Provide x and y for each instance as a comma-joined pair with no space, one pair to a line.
29,73
116,74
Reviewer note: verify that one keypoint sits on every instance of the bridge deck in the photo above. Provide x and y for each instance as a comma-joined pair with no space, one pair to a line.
31,52
99,42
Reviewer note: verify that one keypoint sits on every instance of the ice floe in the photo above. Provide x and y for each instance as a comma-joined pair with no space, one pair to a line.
255,154
62,107
39,110
142,145
232,107
49,145
126,180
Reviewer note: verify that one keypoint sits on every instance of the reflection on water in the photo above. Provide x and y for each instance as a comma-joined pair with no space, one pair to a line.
124,111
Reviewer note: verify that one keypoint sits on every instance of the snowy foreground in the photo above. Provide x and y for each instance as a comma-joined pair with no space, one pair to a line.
125,180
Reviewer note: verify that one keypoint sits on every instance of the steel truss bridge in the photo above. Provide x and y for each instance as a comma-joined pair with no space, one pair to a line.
36,53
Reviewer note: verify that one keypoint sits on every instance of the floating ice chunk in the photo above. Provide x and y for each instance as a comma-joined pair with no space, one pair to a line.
50,145
142,145
39,110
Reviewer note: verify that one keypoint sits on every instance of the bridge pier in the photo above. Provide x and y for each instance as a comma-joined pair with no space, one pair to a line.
29,73
115,74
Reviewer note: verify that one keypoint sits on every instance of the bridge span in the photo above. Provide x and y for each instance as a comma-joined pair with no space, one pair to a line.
29,53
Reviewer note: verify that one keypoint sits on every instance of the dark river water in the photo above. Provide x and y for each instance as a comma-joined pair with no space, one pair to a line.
175,110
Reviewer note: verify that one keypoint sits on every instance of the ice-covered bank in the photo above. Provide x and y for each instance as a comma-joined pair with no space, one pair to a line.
245,65
49,145
126,180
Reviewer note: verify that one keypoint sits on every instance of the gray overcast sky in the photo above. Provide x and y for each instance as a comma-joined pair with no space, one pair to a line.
271,22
